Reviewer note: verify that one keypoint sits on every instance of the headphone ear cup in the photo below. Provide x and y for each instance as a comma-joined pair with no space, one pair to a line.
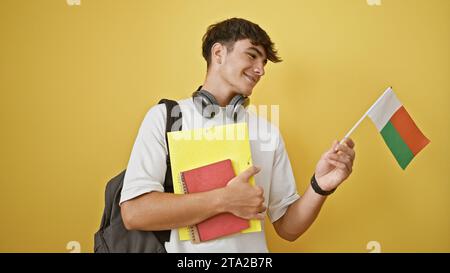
236,106
205,103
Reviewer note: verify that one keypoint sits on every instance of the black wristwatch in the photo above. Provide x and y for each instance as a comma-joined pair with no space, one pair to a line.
317,188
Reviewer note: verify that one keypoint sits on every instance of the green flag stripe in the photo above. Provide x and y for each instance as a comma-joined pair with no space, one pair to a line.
398,147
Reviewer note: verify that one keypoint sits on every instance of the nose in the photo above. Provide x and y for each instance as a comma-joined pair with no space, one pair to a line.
259,69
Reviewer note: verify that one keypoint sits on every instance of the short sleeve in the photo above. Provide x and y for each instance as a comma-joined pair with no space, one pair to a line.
283,190
147,165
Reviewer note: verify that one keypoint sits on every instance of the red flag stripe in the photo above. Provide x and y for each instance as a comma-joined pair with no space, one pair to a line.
408,130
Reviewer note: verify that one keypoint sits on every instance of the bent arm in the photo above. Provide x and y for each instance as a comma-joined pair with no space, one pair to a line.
161,211
332,169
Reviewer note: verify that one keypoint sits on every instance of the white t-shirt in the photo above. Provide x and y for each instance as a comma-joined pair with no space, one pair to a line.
147,167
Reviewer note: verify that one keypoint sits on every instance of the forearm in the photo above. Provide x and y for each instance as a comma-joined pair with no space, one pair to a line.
333,168
300,215
161,211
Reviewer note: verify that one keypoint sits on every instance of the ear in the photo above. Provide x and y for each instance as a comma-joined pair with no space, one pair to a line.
218,53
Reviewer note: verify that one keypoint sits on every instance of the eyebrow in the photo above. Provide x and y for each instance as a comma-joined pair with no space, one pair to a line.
257,51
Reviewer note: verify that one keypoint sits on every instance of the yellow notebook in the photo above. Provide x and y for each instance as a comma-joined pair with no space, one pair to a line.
191,149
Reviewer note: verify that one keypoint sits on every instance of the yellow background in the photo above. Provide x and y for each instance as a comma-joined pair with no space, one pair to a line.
76,82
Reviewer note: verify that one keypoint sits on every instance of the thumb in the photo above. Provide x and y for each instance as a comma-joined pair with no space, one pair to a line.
251,171
334,146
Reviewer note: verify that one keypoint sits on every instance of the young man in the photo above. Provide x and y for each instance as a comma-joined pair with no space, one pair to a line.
236,52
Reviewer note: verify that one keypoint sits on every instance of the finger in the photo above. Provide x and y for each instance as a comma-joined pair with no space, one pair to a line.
349,166
339,165
333,146
343,148
342,158
251,171
349,142
259,190
262,209
331,150
260,216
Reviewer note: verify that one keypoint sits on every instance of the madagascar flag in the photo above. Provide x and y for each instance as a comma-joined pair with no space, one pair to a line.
399,131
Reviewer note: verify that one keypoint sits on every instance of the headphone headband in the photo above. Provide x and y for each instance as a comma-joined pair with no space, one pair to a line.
208,107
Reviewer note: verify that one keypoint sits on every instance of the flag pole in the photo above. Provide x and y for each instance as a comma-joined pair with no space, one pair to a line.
353,128
365,115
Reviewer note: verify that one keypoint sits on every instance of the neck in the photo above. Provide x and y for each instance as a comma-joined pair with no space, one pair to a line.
219,89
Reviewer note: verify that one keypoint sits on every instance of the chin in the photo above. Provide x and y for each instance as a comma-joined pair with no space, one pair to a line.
246,92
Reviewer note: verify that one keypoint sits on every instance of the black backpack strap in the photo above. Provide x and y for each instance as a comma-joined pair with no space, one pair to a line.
113,188
173,115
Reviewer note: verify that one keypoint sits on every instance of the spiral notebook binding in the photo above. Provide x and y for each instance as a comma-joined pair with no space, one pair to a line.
193,232
183,184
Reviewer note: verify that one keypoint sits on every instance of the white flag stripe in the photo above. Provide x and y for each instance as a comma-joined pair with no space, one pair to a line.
382,111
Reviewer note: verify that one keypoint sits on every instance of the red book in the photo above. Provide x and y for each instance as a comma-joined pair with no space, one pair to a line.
206,178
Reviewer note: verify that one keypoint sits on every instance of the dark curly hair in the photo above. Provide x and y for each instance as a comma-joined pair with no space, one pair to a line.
229,31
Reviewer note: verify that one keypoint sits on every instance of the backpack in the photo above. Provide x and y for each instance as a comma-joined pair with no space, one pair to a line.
112,236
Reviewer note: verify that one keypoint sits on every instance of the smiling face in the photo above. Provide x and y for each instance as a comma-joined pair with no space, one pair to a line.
242,67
